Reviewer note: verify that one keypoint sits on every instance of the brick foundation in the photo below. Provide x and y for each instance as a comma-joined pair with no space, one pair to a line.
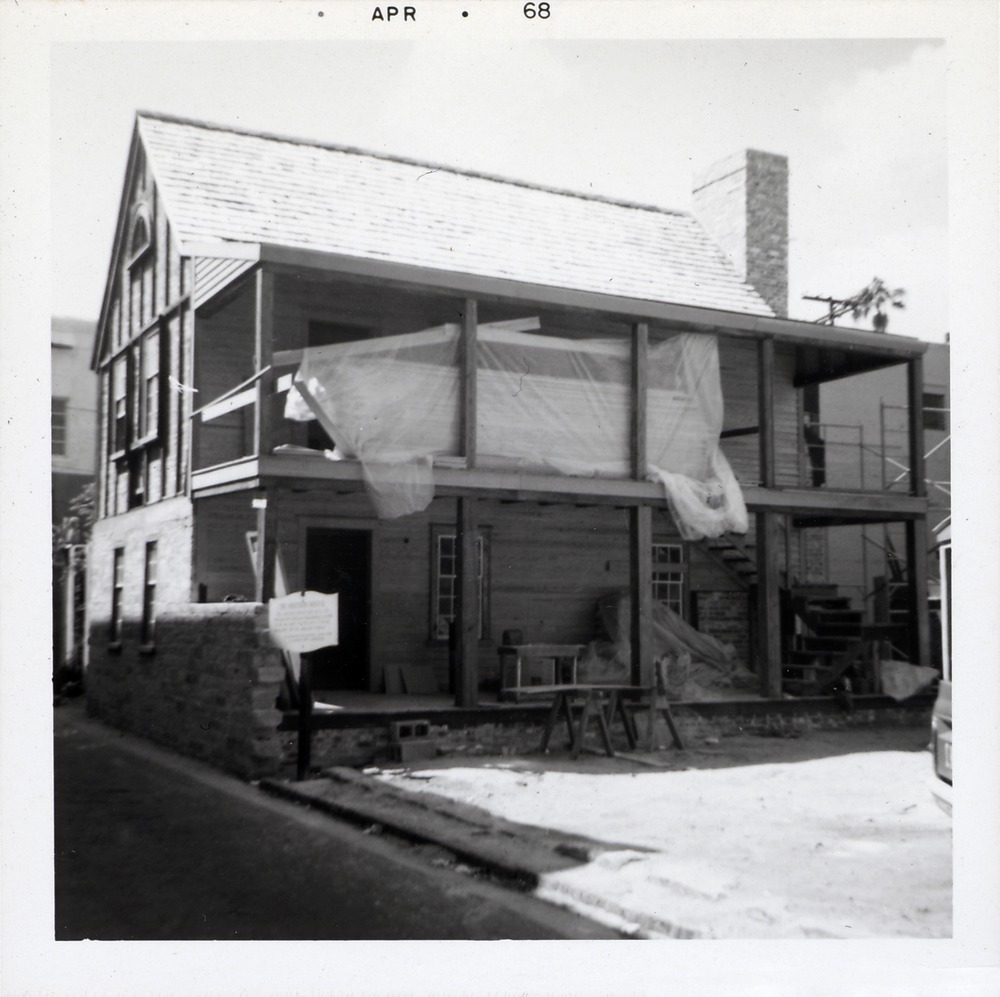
726,617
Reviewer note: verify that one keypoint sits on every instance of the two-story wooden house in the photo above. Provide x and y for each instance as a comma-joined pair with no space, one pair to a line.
466,404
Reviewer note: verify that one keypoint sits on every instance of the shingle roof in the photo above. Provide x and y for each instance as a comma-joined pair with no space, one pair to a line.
219,184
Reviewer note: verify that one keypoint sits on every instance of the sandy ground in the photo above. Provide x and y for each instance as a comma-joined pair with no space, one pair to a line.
829,835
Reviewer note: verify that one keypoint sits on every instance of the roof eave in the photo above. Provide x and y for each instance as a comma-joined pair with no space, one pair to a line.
714,320
117,249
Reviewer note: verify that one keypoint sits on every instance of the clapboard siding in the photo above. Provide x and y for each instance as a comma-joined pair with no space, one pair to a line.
738,371
224,358
549,566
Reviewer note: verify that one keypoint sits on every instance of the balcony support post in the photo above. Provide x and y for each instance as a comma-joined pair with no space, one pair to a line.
467,622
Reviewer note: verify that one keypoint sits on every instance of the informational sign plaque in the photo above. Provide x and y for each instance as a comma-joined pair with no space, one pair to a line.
303,621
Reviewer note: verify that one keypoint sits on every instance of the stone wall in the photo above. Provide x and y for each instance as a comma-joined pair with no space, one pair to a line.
206,688
520,733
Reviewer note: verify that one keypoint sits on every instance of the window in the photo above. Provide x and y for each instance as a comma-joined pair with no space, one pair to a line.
117,593
668,575
59,412
139,239
119,405
148,387
444,591
149,594
935,411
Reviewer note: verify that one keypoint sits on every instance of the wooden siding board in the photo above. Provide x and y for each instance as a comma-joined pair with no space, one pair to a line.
224,358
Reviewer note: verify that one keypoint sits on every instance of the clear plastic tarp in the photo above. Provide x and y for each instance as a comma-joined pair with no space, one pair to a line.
544,403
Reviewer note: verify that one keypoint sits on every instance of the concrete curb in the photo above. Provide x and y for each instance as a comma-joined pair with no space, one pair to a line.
513,852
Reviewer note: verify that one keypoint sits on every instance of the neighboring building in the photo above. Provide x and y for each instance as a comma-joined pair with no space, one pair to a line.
74,411
863,426
74,460
505,370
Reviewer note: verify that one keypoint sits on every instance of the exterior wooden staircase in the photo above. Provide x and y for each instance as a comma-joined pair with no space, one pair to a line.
827,641
821,633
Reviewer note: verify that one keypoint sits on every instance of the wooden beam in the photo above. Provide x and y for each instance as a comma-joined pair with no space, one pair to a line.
640,387
467,616
263,349
520,486
640,521
915,415
916,561
768,606
713,320
470,347
765,411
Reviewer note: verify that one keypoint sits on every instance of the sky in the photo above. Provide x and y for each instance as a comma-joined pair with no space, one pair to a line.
863,123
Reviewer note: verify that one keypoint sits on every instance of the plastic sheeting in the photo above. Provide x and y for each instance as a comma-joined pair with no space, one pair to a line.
695,665
544,403
901,679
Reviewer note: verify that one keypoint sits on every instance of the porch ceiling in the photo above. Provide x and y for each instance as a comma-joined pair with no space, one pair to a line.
817,364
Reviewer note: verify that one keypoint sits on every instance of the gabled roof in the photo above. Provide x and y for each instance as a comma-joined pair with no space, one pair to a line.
218,184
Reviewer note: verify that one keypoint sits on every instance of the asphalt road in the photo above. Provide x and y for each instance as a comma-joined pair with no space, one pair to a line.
151,846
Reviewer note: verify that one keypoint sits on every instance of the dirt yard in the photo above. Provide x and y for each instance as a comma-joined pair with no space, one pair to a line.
832,834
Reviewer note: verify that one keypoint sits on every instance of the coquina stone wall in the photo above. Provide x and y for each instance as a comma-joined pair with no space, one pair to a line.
207,686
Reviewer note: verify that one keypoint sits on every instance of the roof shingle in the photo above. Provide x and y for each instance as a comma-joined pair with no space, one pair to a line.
225,185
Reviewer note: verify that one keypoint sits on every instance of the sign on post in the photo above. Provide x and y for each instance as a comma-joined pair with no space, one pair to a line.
303,621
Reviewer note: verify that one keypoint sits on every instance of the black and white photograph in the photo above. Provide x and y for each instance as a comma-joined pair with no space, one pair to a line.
496,461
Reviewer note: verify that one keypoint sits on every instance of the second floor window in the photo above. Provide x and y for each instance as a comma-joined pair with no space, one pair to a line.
148,402
935,411
119,405
60,410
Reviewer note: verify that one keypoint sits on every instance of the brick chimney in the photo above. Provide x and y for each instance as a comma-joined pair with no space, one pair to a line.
742,202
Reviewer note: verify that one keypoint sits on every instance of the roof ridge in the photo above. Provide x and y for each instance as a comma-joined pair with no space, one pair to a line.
437,167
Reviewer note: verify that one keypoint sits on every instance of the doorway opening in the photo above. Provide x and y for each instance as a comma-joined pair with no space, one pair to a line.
339,560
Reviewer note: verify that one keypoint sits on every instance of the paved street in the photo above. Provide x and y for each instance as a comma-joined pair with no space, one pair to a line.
152,846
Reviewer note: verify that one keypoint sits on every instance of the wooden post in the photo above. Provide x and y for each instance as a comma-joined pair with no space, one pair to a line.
768,606
304,760
641,592
470,344
467,615
916,560
267,543
263,352
765,410
768,580
915,412
640,522
640,389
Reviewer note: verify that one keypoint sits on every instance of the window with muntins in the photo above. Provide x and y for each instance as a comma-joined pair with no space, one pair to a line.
148,387
444,590
119,405
149,594
117,593
669,570
60,410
